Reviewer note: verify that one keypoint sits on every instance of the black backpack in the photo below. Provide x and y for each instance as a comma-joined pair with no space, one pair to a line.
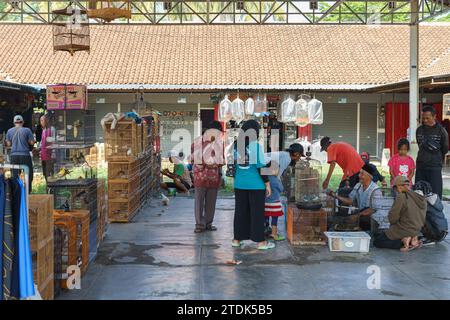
436,226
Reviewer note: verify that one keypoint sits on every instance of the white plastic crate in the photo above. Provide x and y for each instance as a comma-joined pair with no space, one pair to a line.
348,241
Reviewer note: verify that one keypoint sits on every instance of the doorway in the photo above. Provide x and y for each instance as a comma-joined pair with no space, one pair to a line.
206,117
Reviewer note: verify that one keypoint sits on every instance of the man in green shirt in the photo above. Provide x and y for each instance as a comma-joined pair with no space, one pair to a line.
180,175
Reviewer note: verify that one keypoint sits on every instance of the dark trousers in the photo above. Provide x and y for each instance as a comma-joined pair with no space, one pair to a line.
249,215
26,160
48,167
205,206
382,241
432,176
274,221
354,179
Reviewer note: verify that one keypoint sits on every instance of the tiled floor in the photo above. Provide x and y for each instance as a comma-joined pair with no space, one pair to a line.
158,256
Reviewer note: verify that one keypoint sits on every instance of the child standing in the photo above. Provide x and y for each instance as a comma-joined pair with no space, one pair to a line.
273,207
402,164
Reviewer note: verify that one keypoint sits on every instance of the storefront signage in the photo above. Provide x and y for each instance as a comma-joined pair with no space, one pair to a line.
342,100
446,107
100,100
182,100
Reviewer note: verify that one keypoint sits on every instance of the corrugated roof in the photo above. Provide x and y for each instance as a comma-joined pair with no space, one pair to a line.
229,56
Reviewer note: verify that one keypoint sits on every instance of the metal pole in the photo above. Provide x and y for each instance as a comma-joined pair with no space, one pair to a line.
414,73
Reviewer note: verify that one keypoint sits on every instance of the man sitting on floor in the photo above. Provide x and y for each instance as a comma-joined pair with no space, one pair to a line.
407,217
180,175
362,195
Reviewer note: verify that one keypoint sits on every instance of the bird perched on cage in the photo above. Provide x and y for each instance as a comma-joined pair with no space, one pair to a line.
63,172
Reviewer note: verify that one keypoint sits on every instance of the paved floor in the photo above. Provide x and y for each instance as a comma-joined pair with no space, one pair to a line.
159,257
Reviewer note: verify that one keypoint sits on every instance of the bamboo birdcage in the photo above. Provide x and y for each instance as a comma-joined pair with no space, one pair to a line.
71,30
105,10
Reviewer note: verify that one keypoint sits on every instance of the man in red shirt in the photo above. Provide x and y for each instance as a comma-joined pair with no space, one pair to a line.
346,157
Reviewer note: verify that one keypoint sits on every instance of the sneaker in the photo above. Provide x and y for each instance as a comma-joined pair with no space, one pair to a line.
211,228
428,242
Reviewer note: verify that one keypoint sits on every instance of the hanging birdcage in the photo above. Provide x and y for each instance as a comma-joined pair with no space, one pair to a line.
107,12
287,110
302,111
261,105
140,104
70,30
249,106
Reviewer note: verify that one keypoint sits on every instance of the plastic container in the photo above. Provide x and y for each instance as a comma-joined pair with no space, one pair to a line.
261,105
249,107
287,110
237,110
301,113
315,111
225,112
348,241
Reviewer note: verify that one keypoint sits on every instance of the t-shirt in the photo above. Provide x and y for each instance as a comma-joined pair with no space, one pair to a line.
46,153
401,166
180,170
248,177
19,137
363,197
346,157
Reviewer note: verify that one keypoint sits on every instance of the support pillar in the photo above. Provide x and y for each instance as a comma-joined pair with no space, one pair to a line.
413,75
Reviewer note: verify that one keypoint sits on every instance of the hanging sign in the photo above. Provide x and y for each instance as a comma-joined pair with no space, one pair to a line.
446,106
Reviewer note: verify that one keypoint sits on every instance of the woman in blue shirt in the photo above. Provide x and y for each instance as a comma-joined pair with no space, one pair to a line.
250,189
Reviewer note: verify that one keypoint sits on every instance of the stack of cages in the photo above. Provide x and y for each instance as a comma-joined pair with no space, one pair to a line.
42,243
307,221
102,211
74,180
65,250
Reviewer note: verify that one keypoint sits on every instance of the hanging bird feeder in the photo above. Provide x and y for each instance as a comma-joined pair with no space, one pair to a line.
107,12
70,30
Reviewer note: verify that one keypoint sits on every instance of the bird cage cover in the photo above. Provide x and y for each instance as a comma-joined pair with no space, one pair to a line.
249,106
261,105
71,38
287,110
315,111
238,110
301,113
108,12
225,113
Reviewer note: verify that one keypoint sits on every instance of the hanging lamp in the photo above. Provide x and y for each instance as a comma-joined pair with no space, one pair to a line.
107,12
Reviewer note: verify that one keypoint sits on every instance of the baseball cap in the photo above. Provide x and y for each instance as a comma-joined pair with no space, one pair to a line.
365,155
401,180
324,142
18,118
369,169
296,147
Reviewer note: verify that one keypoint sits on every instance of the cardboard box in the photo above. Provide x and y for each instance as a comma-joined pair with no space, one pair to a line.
56,97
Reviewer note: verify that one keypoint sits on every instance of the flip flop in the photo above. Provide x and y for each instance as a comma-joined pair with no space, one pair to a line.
234,245
411,248
278,238
268,246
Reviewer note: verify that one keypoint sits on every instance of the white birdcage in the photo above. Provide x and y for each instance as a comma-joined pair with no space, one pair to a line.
237,110
287,110
301,112
249,106
315,112
225,113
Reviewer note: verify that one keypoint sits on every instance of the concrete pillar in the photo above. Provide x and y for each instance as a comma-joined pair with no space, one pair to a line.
413,74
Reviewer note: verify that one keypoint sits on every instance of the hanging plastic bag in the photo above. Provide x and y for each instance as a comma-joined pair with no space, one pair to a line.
237,110
287,110
301,113
249,107
225,113
261,105
315,111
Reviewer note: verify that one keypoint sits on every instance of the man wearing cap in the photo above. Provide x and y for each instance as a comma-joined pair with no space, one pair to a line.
287,158
346,157
362,195
377,177
407,217
21,140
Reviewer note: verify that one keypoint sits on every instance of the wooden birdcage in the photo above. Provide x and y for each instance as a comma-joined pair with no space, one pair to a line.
71,30
107,12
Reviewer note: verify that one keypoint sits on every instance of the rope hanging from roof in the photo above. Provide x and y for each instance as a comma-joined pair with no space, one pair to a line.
107,12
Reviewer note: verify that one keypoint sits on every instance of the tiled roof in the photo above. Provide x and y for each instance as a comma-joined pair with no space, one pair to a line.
225,56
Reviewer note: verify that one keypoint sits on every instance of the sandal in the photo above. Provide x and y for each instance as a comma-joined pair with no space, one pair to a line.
410,248
235,245
277,237
269,245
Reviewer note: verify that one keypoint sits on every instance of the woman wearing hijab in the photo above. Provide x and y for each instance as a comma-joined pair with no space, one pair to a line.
250,188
